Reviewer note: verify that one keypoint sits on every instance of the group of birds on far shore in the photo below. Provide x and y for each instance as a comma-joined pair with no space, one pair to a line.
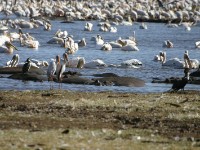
156,10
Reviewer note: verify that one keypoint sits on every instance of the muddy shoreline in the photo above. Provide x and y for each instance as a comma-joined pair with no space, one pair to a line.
167,115
113,110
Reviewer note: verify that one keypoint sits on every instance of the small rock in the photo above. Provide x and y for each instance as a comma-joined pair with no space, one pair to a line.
65,131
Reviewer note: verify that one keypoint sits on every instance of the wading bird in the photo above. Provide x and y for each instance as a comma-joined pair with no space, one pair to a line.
188,64
60,68
51,71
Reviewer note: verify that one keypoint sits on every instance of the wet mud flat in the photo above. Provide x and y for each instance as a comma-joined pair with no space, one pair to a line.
66,120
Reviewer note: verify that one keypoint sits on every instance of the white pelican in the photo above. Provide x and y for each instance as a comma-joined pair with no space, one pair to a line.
82,43
71,46
7,48
61,34
128,46
129,22
132,63
99,40
95,64
197,44
32,44
168,44
106,47
40,63
113,29
26,24
143,26
26,40
104,27
76,62
88,26
174,62
14,61
47,26
161,57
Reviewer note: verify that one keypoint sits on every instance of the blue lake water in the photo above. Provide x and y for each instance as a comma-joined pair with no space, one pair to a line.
149,42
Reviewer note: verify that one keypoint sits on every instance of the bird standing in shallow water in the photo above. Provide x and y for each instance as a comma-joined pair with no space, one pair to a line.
51,71
60,68
26,67
188,64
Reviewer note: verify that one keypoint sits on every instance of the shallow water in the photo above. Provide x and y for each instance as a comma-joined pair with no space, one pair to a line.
149,42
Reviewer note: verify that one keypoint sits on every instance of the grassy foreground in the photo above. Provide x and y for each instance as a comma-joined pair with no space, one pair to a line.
62,119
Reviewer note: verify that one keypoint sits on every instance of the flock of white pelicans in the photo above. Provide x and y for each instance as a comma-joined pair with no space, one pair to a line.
58,64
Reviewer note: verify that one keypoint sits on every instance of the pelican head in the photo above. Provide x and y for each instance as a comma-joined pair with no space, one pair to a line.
10,45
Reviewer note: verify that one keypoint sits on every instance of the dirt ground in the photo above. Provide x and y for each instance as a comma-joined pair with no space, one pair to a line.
170,119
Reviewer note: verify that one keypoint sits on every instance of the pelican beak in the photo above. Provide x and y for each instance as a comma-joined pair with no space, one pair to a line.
11,45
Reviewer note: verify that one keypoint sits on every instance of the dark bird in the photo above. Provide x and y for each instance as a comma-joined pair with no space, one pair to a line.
20,31
26,67
160,4
179,84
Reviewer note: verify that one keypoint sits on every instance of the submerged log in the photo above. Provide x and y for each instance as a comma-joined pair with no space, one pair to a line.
106,75
14,70
123,81
76,80
28,77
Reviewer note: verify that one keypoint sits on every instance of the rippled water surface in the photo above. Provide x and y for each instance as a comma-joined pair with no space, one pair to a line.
149,42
